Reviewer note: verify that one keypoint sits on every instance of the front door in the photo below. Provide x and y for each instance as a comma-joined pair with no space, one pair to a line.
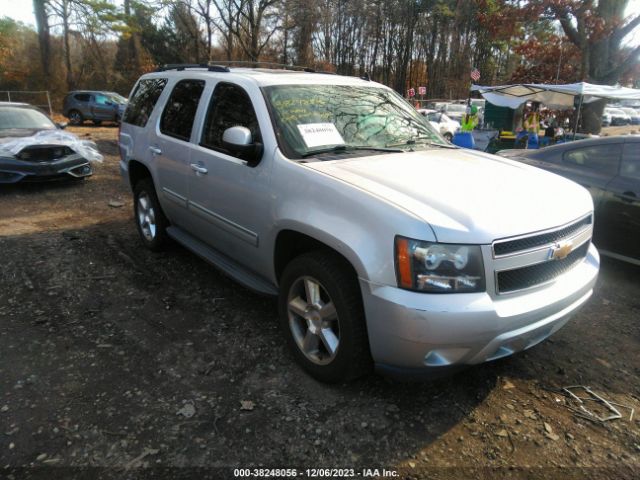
228,198
593,167
102,108
618,218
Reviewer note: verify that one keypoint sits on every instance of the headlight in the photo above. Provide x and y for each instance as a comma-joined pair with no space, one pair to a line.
438,267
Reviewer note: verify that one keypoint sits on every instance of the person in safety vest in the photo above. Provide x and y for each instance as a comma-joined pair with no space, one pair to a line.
470,119
529,134
531,121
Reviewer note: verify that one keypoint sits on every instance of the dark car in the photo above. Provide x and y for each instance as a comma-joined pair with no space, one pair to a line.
97,106
609,168
33,147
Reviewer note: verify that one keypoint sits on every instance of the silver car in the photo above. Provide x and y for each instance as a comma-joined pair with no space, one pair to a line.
386,245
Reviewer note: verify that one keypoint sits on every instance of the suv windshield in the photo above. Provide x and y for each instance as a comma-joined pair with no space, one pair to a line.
117,98
18,118
315,118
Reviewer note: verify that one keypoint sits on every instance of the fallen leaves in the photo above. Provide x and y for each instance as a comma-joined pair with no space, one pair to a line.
508,385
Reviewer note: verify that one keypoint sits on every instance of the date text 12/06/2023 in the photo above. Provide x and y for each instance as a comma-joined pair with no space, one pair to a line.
314,473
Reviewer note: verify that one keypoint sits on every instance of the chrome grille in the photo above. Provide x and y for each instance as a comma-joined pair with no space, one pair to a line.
539,273
507,247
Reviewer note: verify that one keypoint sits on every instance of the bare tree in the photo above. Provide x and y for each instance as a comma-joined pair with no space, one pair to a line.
44,41
252,22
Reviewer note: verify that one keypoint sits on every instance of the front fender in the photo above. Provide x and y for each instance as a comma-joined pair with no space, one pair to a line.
356,223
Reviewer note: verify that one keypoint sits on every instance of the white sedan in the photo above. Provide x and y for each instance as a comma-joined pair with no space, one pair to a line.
441,122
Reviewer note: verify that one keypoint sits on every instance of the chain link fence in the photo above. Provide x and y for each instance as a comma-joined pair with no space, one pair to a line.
40,99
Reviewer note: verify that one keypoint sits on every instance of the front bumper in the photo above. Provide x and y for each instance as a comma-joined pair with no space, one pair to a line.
418,334
14,171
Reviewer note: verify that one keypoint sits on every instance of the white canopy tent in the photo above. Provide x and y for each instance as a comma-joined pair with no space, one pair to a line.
553,96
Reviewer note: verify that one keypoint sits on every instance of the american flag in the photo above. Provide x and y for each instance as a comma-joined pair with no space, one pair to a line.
475,74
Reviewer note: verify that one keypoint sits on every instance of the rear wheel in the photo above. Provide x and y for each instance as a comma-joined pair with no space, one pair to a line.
150,219
321,315
448,136
75,117
97,122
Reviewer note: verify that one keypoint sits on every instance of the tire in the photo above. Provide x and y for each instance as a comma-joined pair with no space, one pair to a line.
448,136
150,219
312,335
75,117
97,123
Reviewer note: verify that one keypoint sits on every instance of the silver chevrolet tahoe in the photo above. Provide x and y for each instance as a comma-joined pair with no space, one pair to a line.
386,245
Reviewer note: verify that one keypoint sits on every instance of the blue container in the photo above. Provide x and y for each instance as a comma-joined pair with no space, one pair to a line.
464,140
533,143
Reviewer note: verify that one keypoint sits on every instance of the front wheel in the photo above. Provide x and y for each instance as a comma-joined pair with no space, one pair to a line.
150,219
75,117
321,315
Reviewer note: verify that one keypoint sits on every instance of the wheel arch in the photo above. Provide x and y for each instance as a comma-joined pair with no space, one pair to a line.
292,242
138,171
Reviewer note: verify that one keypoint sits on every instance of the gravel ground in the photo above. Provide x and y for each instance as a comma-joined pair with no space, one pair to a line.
116,362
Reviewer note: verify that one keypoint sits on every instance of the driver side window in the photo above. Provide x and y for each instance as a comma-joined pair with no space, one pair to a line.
230,107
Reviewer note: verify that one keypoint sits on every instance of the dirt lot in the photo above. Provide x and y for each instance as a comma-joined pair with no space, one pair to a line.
113,358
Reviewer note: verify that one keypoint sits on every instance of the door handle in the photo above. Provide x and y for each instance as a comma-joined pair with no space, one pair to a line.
199,169
628,197
155,150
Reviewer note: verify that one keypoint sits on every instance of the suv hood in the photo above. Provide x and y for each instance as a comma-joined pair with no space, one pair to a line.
466,196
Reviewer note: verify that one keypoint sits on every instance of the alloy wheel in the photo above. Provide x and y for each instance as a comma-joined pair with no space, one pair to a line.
313,320
146,216
75,118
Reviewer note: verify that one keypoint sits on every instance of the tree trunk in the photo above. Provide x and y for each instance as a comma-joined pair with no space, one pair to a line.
42,21
591,117
67,46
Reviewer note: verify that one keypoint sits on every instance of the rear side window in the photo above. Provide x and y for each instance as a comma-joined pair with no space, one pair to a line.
180,111
601,158
630,167
143,100
82,97
230,106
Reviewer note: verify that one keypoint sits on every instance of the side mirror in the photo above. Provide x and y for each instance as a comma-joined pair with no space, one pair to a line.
239,142
61,125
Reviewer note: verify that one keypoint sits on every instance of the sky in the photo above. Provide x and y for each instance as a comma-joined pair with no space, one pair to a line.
22,10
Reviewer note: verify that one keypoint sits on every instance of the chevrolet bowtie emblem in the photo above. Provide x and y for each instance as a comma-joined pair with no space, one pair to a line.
560,250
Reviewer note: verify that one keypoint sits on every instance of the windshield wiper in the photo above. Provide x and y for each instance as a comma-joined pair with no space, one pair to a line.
350,148
421,140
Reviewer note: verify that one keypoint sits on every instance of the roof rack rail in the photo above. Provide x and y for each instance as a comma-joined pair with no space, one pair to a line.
223,66
183,66
252,64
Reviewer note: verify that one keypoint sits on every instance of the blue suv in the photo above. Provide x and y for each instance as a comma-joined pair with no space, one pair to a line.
97,106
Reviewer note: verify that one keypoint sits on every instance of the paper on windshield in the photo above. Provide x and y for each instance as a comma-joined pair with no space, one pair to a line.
86,148
320,134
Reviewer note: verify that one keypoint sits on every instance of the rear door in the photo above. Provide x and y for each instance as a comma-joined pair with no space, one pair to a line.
82,102
171,149
618,219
